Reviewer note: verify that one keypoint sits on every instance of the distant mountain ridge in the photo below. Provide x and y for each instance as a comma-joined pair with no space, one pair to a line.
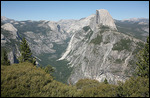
136,20
135,27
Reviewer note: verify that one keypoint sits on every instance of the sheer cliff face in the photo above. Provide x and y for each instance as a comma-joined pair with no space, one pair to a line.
104,18
99,51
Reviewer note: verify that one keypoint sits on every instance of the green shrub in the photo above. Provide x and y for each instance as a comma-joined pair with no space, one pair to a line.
86,83
134,87
93,88
26,80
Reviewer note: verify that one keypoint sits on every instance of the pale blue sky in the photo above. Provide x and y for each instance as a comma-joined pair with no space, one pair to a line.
57,10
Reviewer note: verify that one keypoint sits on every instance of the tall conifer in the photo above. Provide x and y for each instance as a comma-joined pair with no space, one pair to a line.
26,54
4,58
105,81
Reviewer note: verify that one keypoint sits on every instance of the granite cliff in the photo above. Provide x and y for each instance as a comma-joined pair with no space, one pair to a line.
99,51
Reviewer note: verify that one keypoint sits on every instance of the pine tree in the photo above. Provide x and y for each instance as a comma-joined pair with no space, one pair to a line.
26,54
105,81
4,58
143,61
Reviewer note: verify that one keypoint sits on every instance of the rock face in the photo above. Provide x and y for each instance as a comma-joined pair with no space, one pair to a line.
104,18
9,27
99,51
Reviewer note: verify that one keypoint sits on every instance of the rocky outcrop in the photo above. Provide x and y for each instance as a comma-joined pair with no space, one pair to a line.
9,27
